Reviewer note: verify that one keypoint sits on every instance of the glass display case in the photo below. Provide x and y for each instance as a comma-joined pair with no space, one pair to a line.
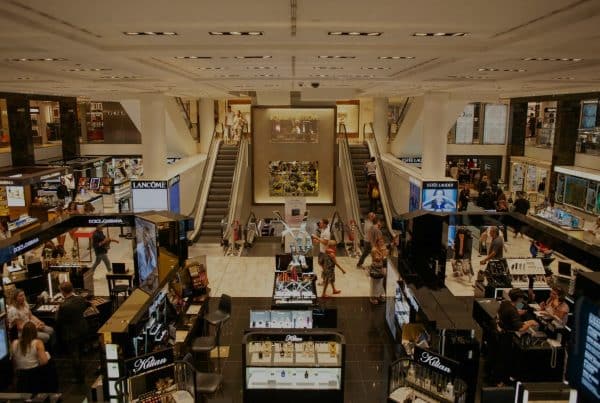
293,284
276,365
281,319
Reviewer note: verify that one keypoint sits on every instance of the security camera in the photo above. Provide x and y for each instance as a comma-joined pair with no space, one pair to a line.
315,85
300,84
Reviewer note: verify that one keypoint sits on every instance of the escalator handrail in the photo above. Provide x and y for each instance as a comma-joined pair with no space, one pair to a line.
384,191
242,161
345,161
207,172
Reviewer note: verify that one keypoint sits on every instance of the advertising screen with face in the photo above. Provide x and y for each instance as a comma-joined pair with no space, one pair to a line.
440,197
146,253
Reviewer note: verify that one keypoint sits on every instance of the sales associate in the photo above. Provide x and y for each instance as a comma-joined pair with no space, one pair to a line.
555,305
509,314
496,250
19,314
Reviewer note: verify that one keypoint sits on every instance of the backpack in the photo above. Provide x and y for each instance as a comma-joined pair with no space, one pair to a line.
375,193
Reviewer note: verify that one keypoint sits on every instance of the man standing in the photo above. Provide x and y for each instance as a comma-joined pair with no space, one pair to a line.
101,244
371,237
521,206
371,168
463,198
323,240
366,244
72,328
229,120
496,250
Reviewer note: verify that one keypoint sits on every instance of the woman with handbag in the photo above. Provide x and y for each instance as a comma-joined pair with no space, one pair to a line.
378,271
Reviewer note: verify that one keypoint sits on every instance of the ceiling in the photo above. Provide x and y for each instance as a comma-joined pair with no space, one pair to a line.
97,59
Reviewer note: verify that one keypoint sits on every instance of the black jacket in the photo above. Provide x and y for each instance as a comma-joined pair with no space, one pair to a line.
71,324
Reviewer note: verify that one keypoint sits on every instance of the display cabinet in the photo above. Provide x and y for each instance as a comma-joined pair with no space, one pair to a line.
503,274
277,365
292,287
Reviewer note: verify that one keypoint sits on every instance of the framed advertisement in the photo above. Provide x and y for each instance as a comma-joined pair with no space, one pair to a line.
494,124
589,111
464,125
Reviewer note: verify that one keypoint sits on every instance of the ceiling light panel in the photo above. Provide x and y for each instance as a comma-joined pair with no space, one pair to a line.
45,59
494,69
119,77
81,70
375,68
194,57
261,67
440,34
551,59
469,77
564,78
396,57
250,57
210,68
327,68
150,33
236,33
336,57
354,33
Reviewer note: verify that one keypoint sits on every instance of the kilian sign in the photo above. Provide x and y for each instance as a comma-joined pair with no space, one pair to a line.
435,361
148,362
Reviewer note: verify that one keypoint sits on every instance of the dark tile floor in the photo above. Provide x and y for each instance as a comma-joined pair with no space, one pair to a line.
369,351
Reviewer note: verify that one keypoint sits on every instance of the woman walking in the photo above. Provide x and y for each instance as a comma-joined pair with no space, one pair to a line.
378,271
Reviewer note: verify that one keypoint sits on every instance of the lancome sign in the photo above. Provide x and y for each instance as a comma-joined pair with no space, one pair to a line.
435,361
148,362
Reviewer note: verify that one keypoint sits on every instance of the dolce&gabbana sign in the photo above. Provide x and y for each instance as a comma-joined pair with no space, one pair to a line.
149,184
148,362
435,361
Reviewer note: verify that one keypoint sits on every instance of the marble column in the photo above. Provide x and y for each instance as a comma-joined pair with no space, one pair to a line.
565,136
380,123
19,125
154,141
69,128
434,138
206,109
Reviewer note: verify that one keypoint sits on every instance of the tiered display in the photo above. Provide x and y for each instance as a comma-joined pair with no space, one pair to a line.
503,274
276,365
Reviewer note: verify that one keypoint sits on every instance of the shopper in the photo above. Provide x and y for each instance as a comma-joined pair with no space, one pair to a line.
323,239
329,265
62,192
378,271
521,206
496,249
72,328
19,314
371,168
4,231
370,237
229,120
502,206
101,244
555,305
28,354
463,198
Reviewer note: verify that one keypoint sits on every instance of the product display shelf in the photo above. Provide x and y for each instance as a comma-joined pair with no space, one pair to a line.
411,380
277,365
294,288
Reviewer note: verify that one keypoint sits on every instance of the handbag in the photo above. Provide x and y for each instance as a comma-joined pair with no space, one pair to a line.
376,272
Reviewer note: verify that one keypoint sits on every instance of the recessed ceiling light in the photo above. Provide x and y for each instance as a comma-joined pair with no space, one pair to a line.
327,68
119,77
193,57
261,67
395,57
375,68
252,57
157,33
237,33
265,75
354,33
23,78
83,70
564,78
551,59
469,77
319,75
337,57
505,70
210,68
440,34
44,59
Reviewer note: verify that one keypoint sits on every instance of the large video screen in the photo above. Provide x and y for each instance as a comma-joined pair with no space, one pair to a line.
146,254
294,178
575,191
440,197
294,126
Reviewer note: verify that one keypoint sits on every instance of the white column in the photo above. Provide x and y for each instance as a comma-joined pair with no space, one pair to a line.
380,124
206,110
154,141
434,139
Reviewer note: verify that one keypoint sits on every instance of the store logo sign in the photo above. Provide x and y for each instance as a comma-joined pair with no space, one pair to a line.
435,361
44,177
97,221
148,362
5,182
149,184
292,338
18,248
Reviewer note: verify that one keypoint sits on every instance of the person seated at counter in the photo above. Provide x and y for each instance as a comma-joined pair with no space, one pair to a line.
28,354
555,305
510,311
19,314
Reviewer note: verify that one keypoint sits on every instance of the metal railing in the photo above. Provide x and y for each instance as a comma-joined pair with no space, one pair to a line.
384,190
185,111
347,175
241,166
207,173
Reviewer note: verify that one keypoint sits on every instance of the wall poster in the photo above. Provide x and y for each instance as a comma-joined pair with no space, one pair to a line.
293,178
518,177
494,124
531,179
464,125
293,126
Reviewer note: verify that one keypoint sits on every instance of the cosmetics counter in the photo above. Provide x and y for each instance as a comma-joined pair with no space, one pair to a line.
538,355
294,282
501,275
278,364
148,325
428,377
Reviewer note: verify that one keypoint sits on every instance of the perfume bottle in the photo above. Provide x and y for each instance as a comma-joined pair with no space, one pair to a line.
306,374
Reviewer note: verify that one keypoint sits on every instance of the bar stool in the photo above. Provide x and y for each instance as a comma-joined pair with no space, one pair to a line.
217,319
204,345
116,288
206,383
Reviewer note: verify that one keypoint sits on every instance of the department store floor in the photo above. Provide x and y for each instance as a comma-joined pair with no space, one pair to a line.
249,280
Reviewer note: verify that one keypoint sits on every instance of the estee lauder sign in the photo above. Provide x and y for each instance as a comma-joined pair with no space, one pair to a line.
435,361
148,362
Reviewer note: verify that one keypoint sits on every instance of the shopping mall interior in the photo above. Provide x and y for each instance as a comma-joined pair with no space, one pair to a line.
296,201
